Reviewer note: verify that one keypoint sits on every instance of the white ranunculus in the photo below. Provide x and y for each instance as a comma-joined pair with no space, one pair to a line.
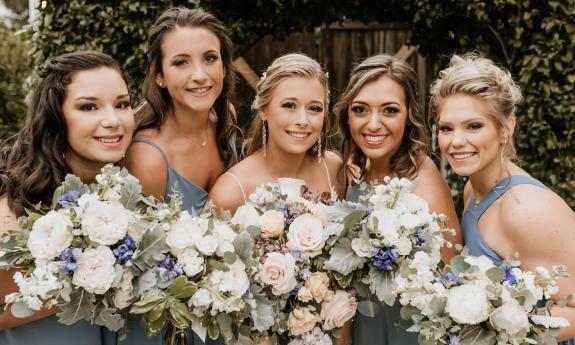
272,223
278,270
291,187
510,317
95,271
245,216
387,225
468,304
186,232
409,220
202,298
337,311
403,245
50,235
306,235
207,245
191,261
83,202
550,321
123,294
235,281
225,236
361,247
105,222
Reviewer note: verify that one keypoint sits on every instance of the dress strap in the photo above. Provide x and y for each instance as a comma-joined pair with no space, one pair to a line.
138,139
239,184
327,174
500,188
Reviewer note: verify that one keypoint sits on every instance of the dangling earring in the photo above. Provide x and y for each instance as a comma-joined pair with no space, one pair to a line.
264,139
319,149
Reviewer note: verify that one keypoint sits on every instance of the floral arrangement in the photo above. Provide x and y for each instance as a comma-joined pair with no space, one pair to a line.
372,243
293,300
474,301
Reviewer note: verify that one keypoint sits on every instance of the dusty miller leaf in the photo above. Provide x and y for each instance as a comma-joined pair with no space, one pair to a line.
342,258
151,249
109,318
80,307
381,283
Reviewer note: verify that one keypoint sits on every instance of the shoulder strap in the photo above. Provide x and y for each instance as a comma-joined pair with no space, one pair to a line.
500,189
239,184
138,139
327,173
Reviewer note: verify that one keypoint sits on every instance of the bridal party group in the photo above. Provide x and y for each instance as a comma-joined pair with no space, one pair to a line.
183,137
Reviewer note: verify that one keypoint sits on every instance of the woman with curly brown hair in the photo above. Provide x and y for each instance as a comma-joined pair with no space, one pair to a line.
384,134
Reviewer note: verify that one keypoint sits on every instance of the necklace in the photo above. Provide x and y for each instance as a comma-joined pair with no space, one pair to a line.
205,140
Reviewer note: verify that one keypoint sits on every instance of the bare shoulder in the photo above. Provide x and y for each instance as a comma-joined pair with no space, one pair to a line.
228,191
8,220
334,166
148,164
430,184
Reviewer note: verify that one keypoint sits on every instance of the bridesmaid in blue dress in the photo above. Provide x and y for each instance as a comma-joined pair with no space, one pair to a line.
79,119
187,126
507,211
384,134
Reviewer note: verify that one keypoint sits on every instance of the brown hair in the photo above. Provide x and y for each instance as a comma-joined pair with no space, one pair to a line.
31,162
289,65
152,114
415,143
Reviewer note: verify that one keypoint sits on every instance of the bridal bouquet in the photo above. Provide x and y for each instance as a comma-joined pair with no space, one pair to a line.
201,280
472,301
293,300
373,243
85,253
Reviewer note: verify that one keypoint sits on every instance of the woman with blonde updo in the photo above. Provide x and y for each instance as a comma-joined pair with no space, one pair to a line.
506,210
384,134
287,136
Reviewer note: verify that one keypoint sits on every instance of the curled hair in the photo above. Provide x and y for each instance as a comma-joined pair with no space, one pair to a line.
415,142
473,75
31,162
152,114
285,66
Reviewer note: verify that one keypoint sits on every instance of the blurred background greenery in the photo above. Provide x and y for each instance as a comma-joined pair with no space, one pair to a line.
534,39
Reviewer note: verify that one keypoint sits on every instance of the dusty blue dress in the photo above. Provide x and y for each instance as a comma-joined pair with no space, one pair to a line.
469,221
194,198
48,331
387,326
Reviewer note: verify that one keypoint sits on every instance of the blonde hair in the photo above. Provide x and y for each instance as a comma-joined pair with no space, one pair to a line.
474,75
285,66
415,142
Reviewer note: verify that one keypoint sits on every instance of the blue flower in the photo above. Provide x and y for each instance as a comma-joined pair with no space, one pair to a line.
169,269
124,250
453,340
68,199
509,276
421,237
385,259
450,278
68,259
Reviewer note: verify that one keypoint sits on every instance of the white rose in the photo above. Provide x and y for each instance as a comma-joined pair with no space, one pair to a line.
185,232
50,235
510,317
245,216
337,311
95,272
207,245
468,304
123,295
290,187
202,298
225,236
409,220
106,222
361,247
306,235
191,261
83,202
387,225
234,281
278,270
272,223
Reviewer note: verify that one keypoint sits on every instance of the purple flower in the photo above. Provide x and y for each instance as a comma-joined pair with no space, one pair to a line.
124,250
421,237
385,259
68,259
453,340
509,276
450,278
68,199
169,269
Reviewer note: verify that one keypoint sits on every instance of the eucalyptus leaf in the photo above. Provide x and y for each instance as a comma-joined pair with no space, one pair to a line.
220,266
73,182
225,322
495,274
343,259
21,310
458,265
230,258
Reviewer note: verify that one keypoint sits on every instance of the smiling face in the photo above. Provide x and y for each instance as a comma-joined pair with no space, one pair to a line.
377,117
192,68
98,115
469,138
295,114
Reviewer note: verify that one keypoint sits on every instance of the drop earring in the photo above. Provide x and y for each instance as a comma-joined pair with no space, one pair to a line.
264,138
319,149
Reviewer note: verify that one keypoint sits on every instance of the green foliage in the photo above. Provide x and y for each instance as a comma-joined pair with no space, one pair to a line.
535,40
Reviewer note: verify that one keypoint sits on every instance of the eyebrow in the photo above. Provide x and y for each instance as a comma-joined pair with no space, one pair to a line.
90,98
464,122
188,55
384,104
297,100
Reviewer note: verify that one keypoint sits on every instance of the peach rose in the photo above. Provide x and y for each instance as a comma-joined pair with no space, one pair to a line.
306,235
278,271
318,284
339,310
302,320
272,223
